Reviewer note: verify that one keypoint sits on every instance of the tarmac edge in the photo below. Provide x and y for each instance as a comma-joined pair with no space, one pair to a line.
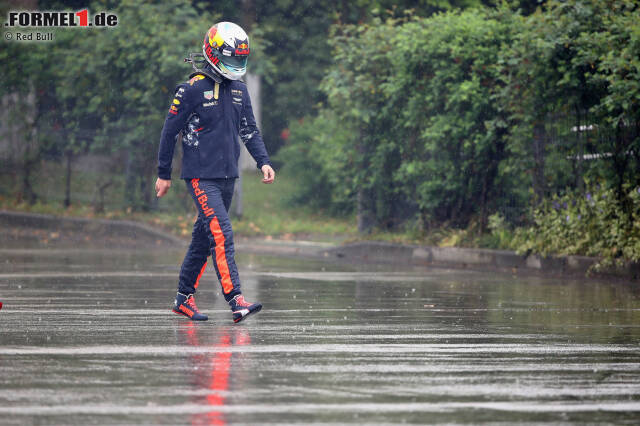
105,226
363,251
470,258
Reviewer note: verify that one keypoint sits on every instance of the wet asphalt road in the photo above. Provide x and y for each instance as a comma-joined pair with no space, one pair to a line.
87,337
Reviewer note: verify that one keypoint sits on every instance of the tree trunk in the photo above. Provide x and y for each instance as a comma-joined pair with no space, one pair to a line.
28,194
129,182
67,183
539,142
621,162
146,189
366,211
580,136
483,203
366,205
98,204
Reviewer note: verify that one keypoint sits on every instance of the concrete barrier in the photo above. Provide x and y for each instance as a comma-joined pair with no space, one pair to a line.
363,251
457,257
94,227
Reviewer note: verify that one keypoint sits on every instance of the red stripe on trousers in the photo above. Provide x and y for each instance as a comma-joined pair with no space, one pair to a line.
221,256
200,275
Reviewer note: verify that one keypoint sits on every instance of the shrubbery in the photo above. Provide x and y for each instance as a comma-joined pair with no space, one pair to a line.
592,223
449,120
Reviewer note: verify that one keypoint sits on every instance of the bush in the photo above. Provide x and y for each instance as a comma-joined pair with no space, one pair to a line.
593,223
321,163
410,127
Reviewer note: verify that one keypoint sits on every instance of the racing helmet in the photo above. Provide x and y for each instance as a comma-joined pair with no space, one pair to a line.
226,49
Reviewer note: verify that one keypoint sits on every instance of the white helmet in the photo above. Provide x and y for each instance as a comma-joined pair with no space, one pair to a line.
226,49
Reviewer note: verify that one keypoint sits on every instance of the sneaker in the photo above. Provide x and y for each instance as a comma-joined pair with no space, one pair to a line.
186,305
241,308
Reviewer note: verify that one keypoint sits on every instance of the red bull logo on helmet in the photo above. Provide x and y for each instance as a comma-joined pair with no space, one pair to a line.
242,49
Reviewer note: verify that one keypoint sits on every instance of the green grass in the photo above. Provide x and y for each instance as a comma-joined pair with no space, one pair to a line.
266,211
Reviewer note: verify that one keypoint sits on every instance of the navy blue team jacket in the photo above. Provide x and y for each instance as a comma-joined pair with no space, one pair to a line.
211,116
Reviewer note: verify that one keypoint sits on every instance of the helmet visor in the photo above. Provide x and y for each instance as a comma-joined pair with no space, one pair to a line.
236,63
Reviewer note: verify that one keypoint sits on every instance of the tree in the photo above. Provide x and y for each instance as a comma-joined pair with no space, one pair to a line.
296,54
570,72
450,128
609,57
25,89
415,96
116,84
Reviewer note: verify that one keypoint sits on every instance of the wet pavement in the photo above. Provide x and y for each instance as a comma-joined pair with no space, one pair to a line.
87,337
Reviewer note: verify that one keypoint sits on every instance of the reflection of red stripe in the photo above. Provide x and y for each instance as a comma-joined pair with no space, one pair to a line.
221,256
219,379
217,372
221,364
200,274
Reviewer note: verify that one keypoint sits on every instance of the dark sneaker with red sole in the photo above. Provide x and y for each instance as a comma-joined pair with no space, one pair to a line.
242,309
186,305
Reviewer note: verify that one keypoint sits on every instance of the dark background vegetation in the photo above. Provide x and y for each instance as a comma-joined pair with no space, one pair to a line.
509,124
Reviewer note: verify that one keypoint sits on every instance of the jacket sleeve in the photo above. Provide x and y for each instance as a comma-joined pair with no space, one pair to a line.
250,134
179,112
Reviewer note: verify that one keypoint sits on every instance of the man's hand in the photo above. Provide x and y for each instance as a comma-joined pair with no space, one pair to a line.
268,173
162,187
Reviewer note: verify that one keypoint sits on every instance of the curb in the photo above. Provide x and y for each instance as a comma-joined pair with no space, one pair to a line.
364,252
126,228
487,259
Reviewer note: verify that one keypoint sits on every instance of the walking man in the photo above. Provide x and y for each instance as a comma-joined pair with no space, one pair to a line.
211,111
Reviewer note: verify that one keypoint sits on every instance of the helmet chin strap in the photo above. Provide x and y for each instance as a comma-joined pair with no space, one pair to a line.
201,66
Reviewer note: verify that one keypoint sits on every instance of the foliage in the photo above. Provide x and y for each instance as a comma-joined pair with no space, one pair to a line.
611,53
466,118
115,84
560,76
500,235
28,102
105,91
415,96
415,115
592,223
321,162
295,35
447,124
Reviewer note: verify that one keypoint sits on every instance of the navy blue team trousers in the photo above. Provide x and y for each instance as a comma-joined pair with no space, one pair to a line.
212,236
